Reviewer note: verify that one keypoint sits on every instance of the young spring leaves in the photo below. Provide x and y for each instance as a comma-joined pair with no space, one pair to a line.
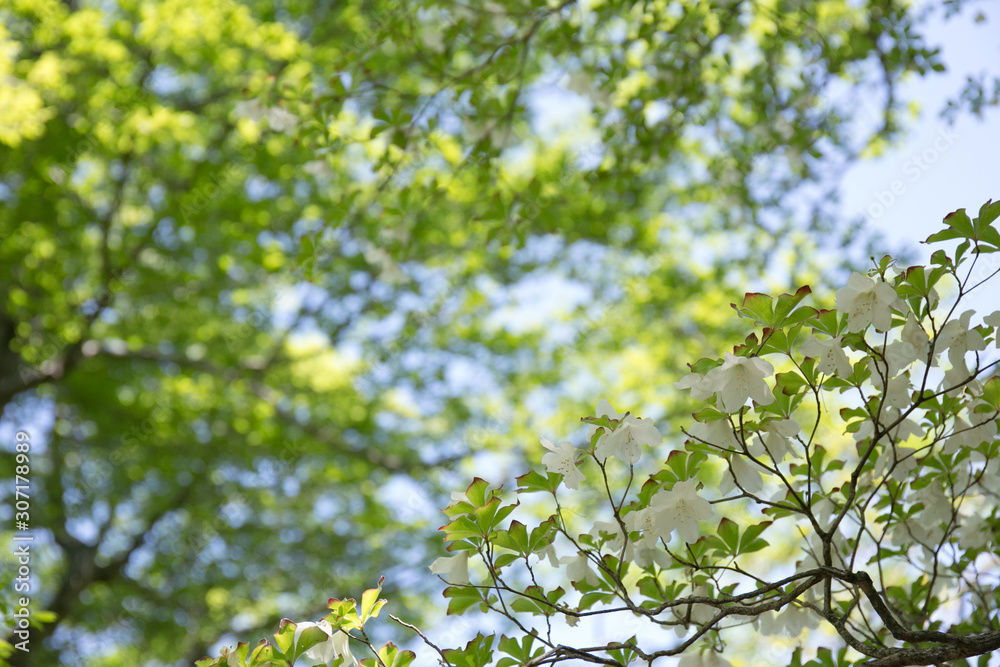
868,438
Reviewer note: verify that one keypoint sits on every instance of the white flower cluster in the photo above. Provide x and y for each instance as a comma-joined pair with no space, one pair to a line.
678,509
756,443
736,380
624,442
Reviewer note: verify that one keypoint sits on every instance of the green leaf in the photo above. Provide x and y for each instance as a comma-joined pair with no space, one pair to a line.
681,465
533,482
624,655
588,600
284,639
542,535
458,508
790,382
829,323
265,653
514,538
462,528
463,597
477,653
989,212
343,614
477,492
503,560
370,604
800,316
959,226
520,652
307,639
991,394
729,531
704,365
749,541
390,656
786,303
757,307
532,601
490,515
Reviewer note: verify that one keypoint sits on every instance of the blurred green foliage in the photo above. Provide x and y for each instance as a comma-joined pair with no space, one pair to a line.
271,269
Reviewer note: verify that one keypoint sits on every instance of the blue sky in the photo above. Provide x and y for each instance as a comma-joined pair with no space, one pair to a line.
937,168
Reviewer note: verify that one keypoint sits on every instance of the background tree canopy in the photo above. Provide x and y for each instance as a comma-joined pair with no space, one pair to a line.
273,270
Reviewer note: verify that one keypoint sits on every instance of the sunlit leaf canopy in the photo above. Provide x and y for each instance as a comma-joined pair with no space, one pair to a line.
272,269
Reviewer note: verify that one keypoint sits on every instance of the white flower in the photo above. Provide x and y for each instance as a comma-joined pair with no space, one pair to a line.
904,464
991,474
704,659
776,437
746,474
281,120
974,532
700,613
454,570
889,415
719,433
937,506
341,647
956,377
624,443
645,555
814,553
696,383
562,459
579,569
898,393
251,109
335,646
789,621
906,532
866,301
866,430
796,619
549,552
231,656
738,379
957,337
913,345
902,431
679,509
768,624
608,528
822,510
830,354
966,435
